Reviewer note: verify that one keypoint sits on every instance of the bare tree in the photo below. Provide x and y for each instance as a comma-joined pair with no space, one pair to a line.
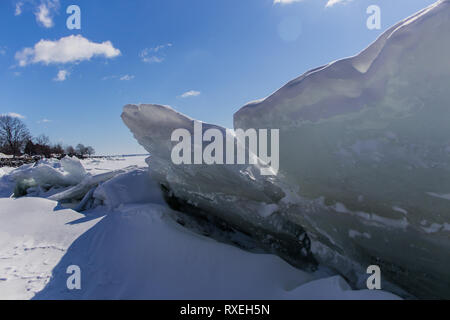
81,149
70,150
43,140
13,134
57,149
90,151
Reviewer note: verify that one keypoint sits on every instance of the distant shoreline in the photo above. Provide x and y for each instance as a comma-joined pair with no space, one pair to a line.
18,162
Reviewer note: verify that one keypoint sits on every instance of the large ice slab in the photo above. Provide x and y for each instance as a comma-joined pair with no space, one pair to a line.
364,162
38,178
366,140
236,197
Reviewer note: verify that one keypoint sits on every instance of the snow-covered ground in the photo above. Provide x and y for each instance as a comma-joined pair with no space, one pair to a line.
136,251
34,236
97,166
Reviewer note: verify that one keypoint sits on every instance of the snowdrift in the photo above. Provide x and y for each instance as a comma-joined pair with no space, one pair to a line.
34,235
138,252
364,162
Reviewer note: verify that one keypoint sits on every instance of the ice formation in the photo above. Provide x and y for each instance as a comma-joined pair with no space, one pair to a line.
133,186
367,138
47,174
128,221
68,182
364,162
232,196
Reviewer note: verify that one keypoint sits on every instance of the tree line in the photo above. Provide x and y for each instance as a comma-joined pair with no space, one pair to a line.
16,140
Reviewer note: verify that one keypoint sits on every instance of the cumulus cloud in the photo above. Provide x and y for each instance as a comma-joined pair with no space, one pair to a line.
62,75
14,115
126,78
69,49
191,93
45,12
154,55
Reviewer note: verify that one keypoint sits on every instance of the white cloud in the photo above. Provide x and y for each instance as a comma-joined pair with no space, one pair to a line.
45,12
285,1
191,93
126,78
62,75
152,59
109,77
153,55
2,51
44,121
160,47
18,10
331,3
14,115
43,16
65,50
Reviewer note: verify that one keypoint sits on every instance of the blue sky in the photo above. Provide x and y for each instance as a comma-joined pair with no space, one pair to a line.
205,58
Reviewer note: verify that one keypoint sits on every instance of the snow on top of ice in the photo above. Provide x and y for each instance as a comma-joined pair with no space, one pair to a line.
341,84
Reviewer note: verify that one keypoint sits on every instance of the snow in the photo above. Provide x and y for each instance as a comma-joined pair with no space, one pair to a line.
5,156
102,165
130,247
34,236
336,289
84,186
139,253
133,187
68,179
